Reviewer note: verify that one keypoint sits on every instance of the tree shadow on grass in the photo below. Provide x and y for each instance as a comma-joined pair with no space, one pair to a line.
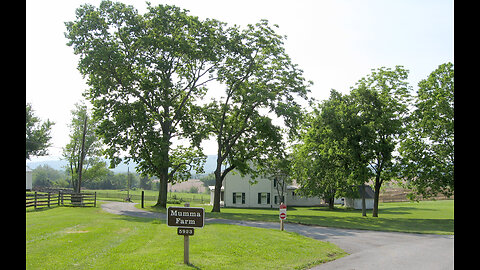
140,219
194,266
404,210
343,218
437,226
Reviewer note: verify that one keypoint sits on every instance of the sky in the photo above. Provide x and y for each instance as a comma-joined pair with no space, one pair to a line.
335,43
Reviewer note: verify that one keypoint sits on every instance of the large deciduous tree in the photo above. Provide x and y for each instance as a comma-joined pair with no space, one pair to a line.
382,100
260,81
354,136
321,160
145,73
428,149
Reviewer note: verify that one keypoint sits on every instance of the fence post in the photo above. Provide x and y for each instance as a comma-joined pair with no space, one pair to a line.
58,198
48,202
95,200
143,196
35,201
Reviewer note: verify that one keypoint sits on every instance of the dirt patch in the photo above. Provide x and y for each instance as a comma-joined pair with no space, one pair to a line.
77,231
123,230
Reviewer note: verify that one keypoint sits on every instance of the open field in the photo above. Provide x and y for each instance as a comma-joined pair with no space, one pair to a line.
436,217
150,195
88,238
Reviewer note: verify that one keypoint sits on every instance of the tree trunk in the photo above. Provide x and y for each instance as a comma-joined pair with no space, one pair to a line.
162,192
378,184
331,201
218,189
82,156
164,165
163,176
364,207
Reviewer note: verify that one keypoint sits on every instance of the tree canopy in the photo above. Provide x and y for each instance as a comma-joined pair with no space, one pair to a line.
145,73
351,138
260,81
149,73
321,160
427,150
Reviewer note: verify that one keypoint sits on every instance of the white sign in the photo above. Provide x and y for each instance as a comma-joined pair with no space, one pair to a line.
283,211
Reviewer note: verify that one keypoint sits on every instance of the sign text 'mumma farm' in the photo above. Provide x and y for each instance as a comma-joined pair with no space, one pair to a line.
176,213
185,216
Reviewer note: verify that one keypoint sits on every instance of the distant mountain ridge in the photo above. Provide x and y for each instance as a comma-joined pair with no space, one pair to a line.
60,165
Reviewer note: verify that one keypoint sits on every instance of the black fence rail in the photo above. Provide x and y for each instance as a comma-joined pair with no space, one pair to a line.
49,199
79,199
40,200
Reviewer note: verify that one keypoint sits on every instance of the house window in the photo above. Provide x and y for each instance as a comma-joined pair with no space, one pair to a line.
264,198
238,197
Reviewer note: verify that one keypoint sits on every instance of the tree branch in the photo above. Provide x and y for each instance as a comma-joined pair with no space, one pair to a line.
226,171
170,174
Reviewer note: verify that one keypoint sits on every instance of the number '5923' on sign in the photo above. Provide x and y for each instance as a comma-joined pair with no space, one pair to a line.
185,231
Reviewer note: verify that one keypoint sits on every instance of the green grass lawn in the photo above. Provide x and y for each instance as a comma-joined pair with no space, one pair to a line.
434,217
89,238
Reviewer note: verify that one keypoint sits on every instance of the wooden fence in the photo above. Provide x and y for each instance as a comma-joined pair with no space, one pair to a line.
49,199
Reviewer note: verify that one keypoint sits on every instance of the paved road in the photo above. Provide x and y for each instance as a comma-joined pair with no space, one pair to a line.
367,249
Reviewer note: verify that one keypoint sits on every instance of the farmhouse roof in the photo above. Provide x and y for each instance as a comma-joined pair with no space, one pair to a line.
369,193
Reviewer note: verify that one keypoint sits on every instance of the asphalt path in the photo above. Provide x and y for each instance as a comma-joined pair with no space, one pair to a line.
367,249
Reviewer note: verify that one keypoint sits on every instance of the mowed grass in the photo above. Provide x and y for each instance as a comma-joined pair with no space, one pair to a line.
433,217
89,238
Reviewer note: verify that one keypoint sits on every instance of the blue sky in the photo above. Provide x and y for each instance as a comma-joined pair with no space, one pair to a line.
335,42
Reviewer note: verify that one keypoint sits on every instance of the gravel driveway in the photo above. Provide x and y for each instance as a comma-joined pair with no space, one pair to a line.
367,249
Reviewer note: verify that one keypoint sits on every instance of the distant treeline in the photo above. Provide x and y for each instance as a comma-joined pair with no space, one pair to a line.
46,176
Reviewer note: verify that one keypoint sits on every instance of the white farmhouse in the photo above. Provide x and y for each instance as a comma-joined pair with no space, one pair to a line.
238,192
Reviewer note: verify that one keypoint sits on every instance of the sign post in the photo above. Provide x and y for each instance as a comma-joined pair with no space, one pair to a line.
186,249
283,214
186,218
